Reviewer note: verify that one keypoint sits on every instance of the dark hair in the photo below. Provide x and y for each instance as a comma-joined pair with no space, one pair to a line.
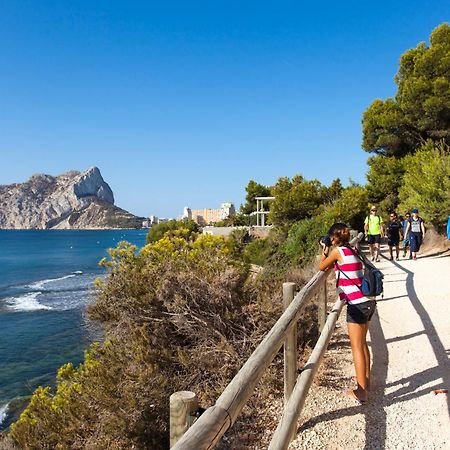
393,213
340,232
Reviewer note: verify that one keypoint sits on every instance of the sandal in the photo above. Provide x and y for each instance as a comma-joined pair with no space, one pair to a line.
352,394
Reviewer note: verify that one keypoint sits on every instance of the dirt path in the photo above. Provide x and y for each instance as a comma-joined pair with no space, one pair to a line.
410,345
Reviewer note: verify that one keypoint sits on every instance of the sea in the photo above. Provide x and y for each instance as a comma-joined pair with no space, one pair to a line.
46,282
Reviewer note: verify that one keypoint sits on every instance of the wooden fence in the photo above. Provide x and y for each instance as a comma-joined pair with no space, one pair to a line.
217,419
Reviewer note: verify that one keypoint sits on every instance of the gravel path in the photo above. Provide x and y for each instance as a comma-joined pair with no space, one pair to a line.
410,346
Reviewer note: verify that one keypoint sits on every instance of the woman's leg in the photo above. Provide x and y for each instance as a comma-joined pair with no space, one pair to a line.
361,357
367,357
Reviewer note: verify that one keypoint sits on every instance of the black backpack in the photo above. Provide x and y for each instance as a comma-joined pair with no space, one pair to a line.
372,280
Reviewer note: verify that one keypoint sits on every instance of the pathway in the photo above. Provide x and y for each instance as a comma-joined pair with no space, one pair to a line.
410,344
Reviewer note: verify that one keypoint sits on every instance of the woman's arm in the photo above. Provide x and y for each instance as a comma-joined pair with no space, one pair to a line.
327,260
407,229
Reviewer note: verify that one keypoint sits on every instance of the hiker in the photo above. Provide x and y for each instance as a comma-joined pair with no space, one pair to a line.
360,309
394,232
448,228
416,230
373,230
405,223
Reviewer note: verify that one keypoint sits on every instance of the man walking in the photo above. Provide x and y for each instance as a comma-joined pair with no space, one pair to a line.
405,224
373,229
394,232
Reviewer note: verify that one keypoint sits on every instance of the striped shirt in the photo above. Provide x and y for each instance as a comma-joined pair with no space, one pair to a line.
349,288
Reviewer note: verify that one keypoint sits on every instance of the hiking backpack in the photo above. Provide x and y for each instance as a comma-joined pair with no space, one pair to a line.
372,280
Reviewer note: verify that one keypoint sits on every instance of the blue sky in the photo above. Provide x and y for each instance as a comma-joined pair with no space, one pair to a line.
182,103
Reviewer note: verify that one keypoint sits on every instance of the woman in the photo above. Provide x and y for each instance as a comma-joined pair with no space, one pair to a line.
360,309
416,230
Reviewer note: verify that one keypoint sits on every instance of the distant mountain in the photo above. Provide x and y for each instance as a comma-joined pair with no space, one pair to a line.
73,200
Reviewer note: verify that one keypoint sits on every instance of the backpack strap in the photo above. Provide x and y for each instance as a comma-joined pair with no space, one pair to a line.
346,276
360,256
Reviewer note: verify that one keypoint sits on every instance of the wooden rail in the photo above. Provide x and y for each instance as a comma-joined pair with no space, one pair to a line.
217,419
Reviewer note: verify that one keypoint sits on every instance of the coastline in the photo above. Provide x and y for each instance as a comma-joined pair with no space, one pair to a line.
72,229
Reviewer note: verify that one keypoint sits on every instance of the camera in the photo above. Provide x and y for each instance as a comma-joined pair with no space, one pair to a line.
326,240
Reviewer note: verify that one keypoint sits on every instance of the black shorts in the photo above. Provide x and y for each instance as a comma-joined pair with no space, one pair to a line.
361,312
373,238
394,241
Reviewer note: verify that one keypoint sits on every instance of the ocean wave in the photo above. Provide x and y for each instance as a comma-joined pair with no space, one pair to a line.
40,284
3,412
26,302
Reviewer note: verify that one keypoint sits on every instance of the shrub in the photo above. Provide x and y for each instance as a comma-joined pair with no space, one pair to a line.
426,184
177,315
187,229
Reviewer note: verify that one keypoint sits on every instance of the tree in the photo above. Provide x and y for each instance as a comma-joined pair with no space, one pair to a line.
384,178
253,190
421,108
333,192
296,200
350,207
426,183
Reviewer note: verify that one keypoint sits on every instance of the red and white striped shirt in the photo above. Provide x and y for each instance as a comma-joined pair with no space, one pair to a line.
349,288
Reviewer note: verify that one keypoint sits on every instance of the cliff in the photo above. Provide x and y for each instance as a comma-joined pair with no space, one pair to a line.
73,200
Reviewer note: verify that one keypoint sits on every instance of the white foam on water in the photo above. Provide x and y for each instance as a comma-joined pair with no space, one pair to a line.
3,412
40,284
26,302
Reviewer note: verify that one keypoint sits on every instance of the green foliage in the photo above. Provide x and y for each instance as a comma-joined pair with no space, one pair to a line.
237,220
296,200
182,228
384,178
350,208
266,252
426,183
258,251
421,107
334,191
301,245
253,190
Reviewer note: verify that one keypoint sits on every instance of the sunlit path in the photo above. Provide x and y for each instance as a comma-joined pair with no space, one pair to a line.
410,345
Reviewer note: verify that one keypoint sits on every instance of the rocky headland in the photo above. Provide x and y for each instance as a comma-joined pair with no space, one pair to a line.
73,200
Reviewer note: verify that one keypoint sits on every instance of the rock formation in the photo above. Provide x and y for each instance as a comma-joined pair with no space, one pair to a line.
71,200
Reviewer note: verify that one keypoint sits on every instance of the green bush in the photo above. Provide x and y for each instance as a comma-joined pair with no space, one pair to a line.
426,184
187,229
301,245
384,177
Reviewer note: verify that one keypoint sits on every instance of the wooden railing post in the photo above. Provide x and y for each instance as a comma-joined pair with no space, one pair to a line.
322,306
183,404
290,346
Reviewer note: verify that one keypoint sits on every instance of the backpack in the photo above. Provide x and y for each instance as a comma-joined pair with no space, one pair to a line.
372,280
